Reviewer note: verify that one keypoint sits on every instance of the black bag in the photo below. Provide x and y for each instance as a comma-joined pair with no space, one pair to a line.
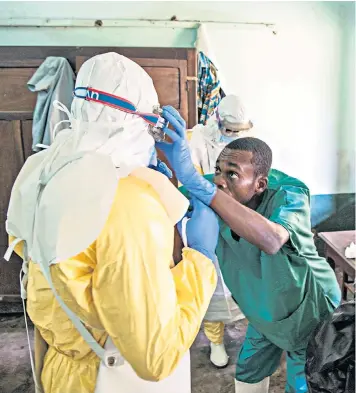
330,365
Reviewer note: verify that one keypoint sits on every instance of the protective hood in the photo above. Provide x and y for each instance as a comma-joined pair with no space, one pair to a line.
229,114
232,111
62,196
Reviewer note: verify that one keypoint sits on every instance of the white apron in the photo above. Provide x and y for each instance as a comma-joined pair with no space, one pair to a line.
123,379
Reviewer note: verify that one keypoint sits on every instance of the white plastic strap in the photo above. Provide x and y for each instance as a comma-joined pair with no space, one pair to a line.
24,268
23,285
61,107
24,279
11,249
29,346
184,231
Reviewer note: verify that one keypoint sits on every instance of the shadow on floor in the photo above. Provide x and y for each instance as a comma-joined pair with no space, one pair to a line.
16,376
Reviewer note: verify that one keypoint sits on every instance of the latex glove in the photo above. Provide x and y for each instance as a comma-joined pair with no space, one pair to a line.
202,229
162,168
159,166
178,155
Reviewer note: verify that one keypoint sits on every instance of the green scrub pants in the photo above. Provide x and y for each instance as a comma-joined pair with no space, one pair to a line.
259,359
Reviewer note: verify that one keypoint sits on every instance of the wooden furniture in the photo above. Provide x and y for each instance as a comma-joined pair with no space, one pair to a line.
173,72
335,245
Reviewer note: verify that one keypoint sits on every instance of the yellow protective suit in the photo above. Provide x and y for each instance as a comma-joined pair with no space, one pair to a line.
214,331
124,285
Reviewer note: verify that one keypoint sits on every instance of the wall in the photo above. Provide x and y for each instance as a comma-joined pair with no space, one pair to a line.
299,88
298,84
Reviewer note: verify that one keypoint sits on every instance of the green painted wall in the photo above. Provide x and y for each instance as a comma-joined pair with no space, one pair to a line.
108,36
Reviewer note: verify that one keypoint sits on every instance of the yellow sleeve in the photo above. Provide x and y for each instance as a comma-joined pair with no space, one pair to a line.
18,248
151,312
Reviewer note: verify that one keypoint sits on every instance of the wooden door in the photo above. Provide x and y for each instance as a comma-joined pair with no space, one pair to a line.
16,108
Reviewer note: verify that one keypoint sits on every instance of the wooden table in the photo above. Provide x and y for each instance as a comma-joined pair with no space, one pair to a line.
335,245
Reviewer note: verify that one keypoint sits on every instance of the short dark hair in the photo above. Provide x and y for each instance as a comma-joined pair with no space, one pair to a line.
261,153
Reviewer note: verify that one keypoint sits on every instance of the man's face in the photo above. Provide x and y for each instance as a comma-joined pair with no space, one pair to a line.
235,175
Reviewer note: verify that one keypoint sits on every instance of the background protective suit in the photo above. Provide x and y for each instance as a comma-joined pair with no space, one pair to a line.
208,141
107,240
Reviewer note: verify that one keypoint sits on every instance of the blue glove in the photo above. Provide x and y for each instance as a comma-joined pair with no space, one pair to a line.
159,166
162,168
202,229
178,155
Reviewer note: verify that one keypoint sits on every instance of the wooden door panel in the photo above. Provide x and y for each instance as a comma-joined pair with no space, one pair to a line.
26,132
14,93
11,161
166,82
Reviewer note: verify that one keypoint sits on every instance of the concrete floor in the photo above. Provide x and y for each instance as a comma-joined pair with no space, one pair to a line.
16,377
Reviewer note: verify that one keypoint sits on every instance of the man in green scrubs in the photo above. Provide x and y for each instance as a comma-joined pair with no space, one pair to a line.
266,253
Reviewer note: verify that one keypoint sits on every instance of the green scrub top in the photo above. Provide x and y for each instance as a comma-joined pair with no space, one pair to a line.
284,296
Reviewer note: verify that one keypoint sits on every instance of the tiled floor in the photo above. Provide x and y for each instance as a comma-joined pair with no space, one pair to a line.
15,370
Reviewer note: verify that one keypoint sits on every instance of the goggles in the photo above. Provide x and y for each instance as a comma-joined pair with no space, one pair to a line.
155,121
230,129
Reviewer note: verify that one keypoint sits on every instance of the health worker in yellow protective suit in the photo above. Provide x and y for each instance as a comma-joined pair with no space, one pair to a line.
95,227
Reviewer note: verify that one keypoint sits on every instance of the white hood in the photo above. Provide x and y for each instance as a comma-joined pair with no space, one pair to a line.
232,111
62,197
126,136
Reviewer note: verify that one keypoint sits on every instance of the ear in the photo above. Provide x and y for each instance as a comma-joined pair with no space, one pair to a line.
261,184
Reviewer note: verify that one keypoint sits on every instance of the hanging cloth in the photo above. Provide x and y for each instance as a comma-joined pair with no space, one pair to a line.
209,91
53,81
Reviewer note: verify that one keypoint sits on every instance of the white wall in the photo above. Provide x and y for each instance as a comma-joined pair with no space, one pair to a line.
298,84
290,84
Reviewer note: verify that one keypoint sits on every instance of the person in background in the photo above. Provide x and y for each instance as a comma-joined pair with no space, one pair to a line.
266,252
229,122
95,227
